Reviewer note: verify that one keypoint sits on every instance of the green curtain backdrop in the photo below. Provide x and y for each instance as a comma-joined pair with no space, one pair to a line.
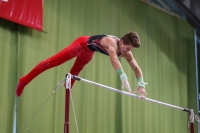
166,58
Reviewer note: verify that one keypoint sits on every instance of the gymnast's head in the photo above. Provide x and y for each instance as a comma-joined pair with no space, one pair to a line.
128,42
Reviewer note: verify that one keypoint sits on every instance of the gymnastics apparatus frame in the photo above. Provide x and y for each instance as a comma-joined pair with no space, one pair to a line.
67,83
67,101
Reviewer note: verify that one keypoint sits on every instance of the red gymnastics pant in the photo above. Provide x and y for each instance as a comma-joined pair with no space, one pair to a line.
77,49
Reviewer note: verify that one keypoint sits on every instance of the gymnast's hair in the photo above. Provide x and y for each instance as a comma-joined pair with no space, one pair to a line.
131,38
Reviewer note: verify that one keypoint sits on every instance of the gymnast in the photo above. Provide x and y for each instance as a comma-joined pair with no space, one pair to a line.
83,49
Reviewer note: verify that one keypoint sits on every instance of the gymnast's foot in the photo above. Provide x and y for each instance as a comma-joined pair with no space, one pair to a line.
20,88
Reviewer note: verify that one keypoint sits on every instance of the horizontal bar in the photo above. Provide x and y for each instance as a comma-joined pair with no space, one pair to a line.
129,94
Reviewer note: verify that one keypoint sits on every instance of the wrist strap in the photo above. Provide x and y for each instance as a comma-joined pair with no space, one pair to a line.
120,71
122,74
123,77
141,82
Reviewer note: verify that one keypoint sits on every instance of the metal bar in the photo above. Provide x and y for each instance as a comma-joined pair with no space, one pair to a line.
129,94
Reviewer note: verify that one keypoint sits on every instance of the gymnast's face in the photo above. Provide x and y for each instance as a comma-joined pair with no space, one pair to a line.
125,48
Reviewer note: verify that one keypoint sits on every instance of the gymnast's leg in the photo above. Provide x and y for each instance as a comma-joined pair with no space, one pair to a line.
64,55
81,61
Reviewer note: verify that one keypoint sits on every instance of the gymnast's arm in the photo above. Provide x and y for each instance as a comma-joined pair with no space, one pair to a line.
132,62
110,45
138,74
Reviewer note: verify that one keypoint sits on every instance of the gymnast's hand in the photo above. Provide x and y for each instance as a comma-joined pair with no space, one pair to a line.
126,84
141,91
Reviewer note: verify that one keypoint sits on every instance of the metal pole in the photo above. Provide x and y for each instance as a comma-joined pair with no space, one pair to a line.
67,100
191,120
197,72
